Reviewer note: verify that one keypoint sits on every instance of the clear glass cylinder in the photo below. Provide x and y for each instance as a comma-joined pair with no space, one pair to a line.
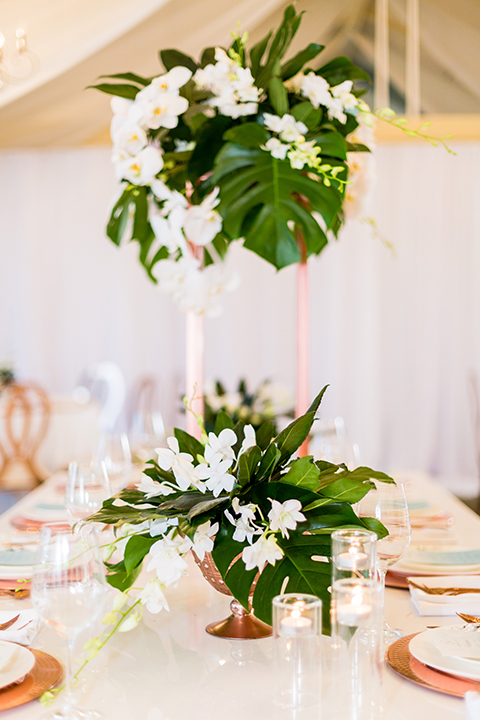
297,627
354,554
357,647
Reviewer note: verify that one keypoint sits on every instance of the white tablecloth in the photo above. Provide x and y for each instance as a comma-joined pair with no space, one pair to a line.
169,668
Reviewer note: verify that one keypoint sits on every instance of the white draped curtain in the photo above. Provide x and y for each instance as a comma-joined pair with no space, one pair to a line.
395,333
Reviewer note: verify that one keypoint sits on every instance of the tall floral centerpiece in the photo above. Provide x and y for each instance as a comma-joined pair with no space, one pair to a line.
239,145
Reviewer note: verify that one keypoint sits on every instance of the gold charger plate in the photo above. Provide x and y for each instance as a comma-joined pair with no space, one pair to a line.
46,672
402,661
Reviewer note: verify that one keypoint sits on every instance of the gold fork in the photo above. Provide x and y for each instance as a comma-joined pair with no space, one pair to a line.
443,591
469,618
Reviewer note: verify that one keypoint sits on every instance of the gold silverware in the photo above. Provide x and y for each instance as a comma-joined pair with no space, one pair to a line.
469,618
9,623
443,591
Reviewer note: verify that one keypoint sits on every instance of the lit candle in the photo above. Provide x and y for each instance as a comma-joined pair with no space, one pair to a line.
295,625
354,612
354,559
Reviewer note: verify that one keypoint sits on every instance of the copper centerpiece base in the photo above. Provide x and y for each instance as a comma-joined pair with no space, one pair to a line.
241,625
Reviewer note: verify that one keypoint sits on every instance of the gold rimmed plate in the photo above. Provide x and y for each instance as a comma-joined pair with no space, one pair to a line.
45,673
402,661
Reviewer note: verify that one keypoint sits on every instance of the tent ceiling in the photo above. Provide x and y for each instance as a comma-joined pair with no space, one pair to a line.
78,40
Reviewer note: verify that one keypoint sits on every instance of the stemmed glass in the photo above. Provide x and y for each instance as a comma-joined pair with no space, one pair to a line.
87,487
114,451
388,503
68,590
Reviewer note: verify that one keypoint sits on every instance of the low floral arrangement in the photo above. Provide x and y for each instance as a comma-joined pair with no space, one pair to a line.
7,376
268,402
242,496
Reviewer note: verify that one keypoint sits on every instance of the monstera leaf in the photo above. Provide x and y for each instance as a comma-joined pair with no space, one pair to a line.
259,202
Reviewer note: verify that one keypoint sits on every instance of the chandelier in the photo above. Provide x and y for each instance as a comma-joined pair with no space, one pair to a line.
18,64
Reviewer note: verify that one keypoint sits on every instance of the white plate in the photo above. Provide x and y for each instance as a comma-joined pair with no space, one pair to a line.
19,572
45,514
423,649
19,664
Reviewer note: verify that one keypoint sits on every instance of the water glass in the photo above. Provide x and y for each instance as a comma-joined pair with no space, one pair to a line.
114,451
87,487
297,627
354,554
68,590
357,647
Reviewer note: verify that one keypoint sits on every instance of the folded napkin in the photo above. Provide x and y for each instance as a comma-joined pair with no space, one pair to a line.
472,705
23,630
446,605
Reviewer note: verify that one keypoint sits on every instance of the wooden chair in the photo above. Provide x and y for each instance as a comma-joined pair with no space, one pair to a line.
24,418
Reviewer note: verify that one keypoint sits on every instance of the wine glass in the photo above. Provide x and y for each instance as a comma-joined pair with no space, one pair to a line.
147,432
114,451
388,503
87,487
68,590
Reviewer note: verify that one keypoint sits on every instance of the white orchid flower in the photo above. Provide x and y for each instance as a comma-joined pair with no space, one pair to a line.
203,539
245,86
285,516
276,148
245,528
142,168
265,550
233,87
186,475
167,559
219,478
176,275
220,448
161,109
129,137
152,596
316,89
161,526
173,80
168,457
151,488
202,222
291,129
335,111
344,93
250,438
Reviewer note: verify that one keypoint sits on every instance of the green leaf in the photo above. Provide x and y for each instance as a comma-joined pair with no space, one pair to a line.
257,52
278,96
302,472
183,502
172,58
135,550
342,69
226,549
259,194
206,505
120,90
208,57
222,422
348,490
248,466
317,401
239,581
290,439
188,444
306,113
117,223
209,142
304,575
293,66
250,134
123,580
332,145
375,526
265,434
130,76
268,462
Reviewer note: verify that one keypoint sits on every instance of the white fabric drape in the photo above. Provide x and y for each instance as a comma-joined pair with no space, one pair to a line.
396,337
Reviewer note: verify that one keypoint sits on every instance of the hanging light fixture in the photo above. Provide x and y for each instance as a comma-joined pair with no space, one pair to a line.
19,64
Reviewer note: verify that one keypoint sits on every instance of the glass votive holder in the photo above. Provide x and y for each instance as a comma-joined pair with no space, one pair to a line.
297,627
354,554
357,646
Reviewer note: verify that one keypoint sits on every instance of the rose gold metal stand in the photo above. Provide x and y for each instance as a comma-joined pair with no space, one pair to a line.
241,625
